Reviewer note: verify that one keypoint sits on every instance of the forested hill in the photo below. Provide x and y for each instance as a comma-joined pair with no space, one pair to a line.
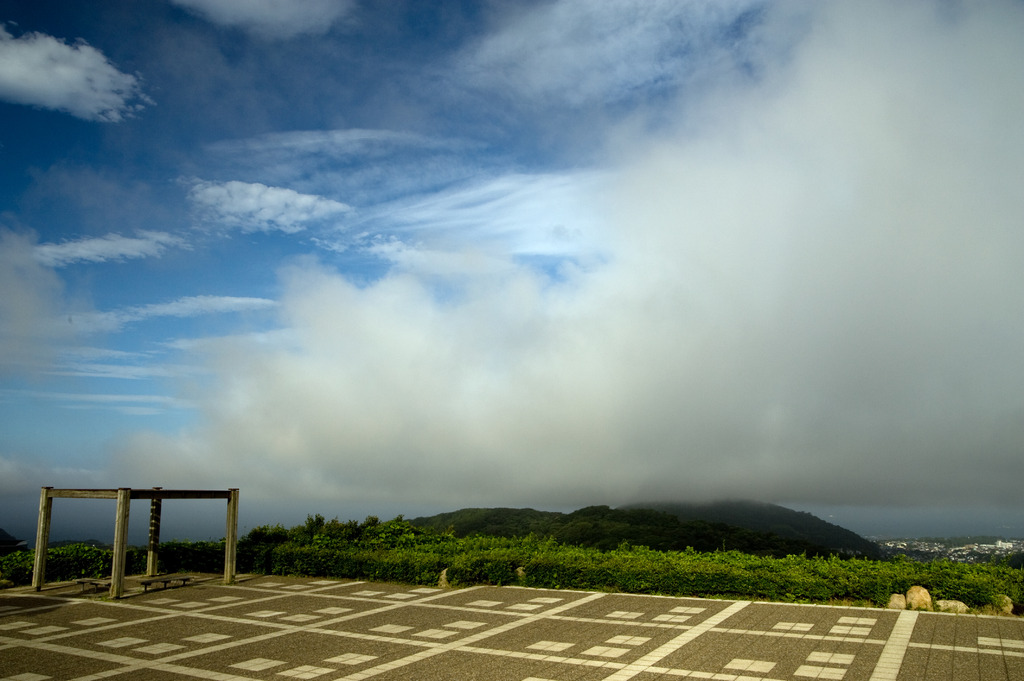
494,522
765,517
606,528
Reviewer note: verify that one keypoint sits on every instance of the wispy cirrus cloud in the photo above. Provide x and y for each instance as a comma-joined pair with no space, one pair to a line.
272,18
105,248
602,52
131,372
356,142
256,207
90,362
366,166
40,70
189,306
514,215
126,403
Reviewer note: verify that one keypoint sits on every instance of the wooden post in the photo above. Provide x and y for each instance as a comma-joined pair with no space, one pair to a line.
42,538
117,570
154,536
231,537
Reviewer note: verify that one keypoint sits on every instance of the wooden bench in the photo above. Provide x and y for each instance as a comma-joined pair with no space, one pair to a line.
165,580
95,583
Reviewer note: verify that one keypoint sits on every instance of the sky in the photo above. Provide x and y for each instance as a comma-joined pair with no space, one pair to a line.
360,258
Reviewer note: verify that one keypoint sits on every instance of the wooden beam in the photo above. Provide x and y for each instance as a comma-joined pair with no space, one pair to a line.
152,554
231,537
117,570
124,495
83,493
157,493
42,538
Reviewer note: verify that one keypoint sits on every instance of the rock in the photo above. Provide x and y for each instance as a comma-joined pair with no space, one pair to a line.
897,602
1004,604
520,573
443,581
959,607
918,598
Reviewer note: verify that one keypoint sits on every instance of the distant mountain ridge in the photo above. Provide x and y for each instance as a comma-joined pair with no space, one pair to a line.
765,517
773,530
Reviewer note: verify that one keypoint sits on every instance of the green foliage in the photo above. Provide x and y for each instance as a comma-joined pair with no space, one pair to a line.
17,567
266,534
256,549
186,556
770,518
493,522
67,562
605,528
77,560
397,551
303,534
412,567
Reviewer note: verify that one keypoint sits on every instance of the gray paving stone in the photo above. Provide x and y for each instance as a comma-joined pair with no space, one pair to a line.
280,628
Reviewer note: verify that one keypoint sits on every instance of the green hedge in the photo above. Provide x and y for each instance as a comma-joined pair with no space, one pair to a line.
395,551
728,574
184,556
65,563
387,565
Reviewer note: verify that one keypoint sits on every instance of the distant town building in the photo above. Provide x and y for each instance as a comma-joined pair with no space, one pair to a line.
923,549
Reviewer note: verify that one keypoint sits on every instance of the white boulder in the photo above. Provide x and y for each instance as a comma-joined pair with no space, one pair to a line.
958,607
918,598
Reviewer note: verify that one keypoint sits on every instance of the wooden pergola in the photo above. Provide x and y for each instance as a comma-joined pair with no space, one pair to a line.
124,495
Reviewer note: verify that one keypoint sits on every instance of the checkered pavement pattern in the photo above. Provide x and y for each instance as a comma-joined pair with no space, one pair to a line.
291,628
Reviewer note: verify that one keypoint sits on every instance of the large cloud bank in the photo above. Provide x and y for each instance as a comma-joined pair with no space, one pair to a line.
810,290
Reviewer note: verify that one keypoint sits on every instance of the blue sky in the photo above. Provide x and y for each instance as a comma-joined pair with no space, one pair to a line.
376,258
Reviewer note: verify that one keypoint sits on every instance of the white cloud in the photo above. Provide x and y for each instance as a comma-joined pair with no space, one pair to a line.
40,70
189,306
584,53
367,166
348,142
812,292
125,403
91,362
544,214
109,247
16,476
272,18
31,324
255,207
130,372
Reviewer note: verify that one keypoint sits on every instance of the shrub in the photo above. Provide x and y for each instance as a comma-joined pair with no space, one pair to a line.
185,556
255,549
17,567
72,561
396,551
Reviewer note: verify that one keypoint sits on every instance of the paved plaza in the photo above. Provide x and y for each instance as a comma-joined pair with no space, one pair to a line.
289,628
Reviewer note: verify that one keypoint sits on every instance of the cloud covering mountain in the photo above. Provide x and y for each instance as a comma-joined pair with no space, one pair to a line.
594,254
